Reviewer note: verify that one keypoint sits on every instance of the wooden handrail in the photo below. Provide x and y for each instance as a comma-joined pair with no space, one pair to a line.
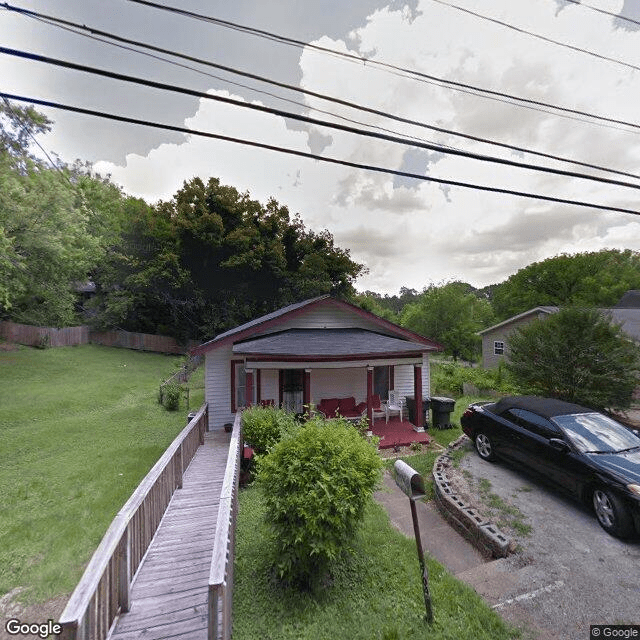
221,573
103,590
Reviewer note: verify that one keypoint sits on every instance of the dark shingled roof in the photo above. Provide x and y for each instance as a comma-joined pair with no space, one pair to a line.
327,343
630,300
547,407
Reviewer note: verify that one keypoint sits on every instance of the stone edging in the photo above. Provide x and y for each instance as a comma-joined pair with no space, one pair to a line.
483,534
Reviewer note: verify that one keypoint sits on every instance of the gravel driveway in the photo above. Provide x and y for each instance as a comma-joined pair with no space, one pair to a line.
568,572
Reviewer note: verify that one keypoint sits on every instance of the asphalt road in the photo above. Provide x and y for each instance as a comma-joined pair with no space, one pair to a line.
569,573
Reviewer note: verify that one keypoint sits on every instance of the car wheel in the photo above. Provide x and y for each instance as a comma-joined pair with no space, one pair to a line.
484,446
611,513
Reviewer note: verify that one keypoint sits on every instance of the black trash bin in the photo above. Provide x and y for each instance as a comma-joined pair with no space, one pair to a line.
441,409
411,408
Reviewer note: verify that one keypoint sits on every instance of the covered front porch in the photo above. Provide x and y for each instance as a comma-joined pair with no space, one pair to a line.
299,370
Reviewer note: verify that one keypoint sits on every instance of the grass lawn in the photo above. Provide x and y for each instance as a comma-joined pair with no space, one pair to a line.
80,427
375,593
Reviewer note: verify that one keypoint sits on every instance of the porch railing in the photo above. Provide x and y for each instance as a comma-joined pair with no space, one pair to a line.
221,574
103,591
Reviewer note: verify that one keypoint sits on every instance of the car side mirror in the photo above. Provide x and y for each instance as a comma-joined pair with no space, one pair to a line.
559,445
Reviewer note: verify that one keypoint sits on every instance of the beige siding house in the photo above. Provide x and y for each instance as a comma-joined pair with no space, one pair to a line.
319,348
495,340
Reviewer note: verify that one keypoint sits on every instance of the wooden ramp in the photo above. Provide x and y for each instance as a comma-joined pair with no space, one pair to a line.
169,594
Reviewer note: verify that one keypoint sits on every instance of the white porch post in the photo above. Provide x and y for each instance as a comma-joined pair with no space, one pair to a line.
417,394
369,396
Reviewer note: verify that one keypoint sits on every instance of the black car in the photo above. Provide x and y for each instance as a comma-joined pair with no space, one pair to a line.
577,449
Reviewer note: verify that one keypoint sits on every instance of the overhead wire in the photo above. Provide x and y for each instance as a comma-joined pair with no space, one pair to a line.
309,120
67,24
603,11
538,36
314,156
372,62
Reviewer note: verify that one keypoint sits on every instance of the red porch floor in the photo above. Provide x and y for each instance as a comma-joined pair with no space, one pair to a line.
396,433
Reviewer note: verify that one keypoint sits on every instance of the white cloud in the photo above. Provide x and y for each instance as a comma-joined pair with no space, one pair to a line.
413,234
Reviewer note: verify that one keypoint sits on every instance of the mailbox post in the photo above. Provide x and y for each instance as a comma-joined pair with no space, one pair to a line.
412,484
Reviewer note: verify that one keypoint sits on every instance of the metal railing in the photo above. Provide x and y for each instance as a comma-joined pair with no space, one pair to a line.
104,589
221,573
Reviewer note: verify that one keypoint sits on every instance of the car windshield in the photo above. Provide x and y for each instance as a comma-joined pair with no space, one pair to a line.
596,433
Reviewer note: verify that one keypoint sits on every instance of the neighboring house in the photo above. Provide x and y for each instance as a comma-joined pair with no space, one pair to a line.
495,340
316,349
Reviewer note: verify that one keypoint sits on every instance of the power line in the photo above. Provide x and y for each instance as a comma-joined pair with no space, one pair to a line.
416,75
65,23
313,156
309,120
538,36
607,13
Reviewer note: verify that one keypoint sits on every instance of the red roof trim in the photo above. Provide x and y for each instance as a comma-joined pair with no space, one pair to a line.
274,322
345,358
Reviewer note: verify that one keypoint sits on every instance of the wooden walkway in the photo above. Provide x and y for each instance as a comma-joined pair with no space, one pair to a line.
169,594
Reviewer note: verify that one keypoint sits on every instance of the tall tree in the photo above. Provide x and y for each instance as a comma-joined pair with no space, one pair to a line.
576,355
596,279
450,314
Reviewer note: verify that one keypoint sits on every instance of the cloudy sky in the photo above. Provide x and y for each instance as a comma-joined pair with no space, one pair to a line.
408,232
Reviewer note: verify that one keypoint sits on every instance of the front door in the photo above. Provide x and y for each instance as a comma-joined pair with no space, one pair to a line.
291,389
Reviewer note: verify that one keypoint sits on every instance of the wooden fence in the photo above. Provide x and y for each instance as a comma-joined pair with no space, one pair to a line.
70,336
103,591
221,573
43,336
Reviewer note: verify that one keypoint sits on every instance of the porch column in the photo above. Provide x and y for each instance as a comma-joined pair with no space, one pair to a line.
417,394
249,387
306,388
369,396
258,386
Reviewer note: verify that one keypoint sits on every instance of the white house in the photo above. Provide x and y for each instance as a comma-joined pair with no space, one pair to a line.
319,348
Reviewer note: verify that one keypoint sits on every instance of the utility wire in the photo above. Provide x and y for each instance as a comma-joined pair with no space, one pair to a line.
313,156
538,36
66,24
309,120
607,13
62,24
417,75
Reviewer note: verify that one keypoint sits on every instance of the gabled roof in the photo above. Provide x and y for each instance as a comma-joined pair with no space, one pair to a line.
326,343
273,322
630,300
535,311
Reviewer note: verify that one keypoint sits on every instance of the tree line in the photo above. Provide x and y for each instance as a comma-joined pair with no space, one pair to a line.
211,258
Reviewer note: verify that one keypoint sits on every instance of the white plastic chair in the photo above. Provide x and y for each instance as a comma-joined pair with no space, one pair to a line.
394,405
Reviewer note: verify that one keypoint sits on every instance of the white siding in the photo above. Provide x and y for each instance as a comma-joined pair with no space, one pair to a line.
269,384
326,317
339,383
403,378
218,386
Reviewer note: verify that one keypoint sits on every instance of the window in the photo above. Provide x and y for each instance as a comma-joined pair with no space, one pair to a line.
498,348
534,423
382,381
239,386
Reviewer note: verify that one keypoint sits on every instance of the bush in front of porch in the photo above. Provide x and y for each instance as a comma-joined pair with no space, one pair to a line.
316,483
263,427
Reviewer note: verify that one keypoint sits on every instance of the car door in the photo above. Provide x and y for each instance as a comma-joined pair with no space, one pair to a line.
532,447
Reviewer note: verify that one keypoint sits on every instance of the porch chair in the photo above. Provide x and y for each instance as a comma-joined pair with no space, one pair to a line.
394,405
378,408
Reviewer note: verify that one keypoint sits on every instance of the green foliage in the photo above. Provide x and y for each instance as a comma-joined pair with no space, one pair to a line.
596,279
171,395
211,259
449,377
576,355
79,429
451,315
316,485
263,427
377,590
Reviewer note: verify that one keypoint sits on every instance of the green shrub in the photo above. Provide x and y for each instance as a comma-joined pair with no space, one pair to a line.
450,376
316,483
262,427
171,394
